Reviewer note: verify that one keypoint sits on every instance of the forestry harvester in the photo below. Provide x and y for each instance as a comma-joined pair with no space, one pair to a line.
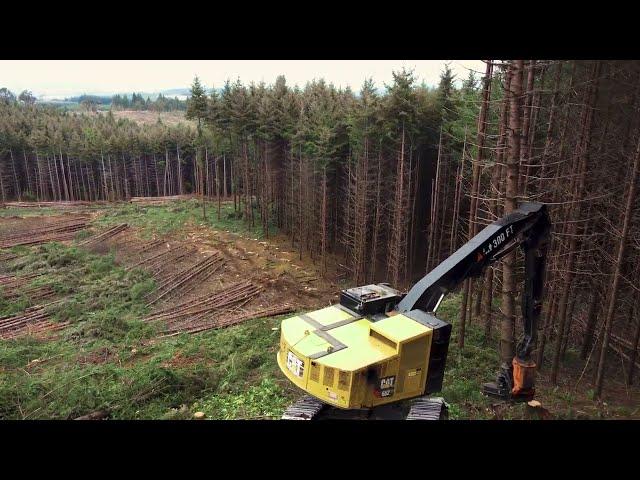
379,347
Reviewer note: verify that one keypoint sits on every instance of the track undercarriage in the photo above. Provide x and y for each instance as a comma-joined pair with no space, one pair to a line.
422,408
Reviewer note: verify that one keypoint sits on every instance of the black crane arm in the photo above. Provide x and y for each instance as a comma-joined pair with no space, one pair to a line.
528,227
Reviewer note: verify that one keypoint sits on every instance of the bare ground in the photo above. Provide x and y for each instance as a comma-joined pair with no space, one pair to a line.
149,117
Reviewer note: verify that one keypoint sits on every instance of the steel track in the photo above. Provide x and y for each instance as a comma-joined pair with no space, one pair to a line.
422,408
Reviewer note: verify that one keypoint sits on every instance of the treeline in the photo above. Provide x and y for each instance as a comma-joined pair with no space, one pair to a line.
47,154
341,173
25,97
98,100
138,102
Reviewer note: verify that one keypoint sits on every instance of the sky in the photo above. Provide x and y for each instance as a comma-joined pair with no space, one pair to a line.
60,78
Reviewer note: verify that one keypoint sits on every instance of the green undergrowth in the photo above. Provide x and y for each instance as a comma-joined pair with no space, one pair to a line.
248,382
262,401
28,212
107,359
227,374
171,217
466,369
478,363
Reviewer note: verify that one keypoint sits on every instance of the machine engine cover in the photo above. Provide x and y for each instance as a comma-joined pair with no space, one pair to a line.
370,299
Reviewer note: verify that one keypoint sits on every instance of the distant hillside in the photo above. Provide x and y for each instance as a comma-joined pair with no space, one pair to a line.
104,98
100,100
176,92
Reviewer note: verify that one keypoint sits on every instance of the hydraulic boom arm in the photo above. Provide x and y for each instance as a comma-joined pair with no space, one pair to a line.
528,227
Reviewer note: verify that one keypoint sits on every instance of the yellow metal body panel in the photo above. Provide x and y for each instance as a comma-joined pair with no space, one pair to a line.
357,364
311,344
399,328
294,329
329,315
362,350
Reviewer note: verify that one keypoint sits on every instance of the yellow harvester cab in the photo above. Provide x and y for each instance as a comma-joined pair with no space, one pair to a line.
360,354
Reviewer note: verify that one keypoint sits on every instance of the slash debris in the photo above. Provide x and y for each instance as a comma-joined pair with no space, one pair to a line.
41,230
33,321
13,287
220,309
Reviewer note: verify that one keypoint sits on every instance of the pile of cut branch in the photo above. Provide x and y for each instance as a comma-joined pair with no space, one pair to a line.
7,256
159,264
60,204
12,287
159,200
33,321
54,229
216,310
186,279
106,235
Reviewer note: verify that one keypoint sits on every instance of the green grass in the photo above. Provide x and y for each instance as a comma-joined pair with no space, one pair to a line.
172,217
468,369
108,359
227,374
265,400
28,212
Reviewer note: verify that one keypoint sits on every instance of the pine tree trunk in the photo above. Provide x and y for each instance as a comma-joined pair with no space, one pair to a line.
550,126
435,193
71,182
57,177
475,188
578,190
636,342
591,323
104,177
224,176
26,169
323,221
179,170
495,188
300,219
53,184
16,188
376,225
64,180
507,349
155,168
524,137
218,186
628,212
453,241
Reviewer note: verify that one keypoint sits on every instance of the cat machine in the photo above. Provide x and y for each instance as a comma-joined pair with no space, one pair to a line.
379,348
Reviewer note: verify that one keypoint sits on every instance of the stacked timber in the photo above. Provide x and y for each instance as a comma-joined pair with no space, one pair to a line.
55,229
33,321
214,310
13,287
106,235
159,200
187,278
